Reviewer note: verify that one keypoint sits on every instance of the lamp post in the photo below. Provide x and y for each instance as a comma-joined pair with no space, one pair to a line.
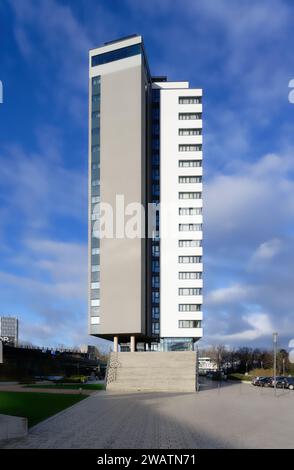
275,341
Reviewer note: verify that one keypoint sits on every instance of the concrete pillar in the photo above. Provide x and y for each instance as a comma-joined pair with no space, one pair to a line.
132,343
115,346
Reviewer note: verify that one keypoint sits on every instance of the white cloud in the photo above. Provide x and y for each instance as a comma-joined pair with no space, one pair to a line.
246,203
260,324
227,295
267,250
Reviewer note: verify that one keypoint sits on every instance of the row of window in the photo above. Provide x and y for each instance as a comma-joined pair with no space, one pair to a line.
190,275
190,179
189,99
190,131
190,291
190,307
190,195
190,243
190,259
190,210
182,324
190,323
190,147
190,163
190,227
189,116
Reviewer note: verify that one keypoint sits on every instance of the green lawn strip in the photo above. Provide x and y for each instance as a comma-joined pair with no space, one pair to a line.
35,406
69,386
236,376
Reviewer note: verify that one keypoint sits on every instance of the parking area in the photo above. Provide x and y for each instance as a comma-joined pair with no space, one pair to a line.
234,415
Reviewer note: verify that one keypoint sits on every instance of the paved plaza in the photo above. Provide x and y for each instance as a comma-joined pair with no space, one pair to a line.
233,416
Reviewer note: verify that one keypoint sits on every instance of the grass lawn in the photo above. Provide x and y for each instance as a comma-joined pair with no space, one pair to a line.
35,406
70,386
236,376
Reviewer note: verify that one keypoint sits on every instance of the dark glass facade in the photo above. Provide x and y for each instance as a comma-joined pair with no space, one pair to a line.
95,197
117,54
155,155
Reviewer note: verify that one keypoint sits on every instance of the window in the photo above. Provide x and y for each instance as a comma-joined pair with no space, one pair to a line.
155,313
190,210
95,268
155,282
190,227
155,328
190,307
190,163
190,275
96,115
95,320
190,259
190,243
155,266
189,116
193,195
95,303
95,294
95,276
95,251
190,147
189,324
190,291
155,297
189,99
95,285
155,174
190,131
155,189
190,179
117,54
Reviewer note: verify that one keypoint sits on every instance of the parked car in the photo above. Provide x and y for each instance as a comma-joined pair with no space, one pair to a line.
290,383
256,379
280,381
285,382
263,382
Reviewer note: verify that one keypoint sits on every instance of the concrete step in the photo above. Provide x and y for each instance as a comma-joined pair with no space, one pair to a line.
153,371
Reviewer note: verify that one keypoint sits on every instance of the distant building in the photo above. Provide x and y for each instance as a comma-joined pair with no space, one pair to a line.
9,330
206,364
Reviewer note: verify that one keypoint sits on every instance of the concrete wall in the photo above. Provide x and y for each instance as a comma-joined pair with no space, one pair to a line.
152,371
12,427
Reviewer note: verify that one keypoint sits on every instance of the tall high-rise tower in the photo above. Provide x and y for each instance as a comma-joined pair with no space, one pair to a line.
145,149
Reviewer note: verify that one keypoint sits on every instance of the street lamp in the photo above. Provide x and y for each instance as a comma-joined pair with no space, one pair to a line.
275,341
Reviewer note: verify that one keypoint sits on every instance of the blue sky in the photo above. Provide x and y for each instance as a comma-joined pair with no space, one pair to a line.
241,54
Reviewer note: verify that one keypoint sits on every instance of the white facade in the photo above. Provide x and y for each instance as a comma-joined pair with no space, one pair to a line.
179,298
